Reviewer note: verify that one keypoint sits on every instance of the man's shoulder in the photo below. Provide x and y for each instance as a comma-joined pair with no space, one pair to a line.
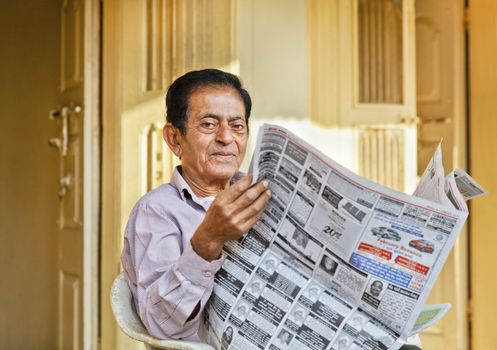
165,194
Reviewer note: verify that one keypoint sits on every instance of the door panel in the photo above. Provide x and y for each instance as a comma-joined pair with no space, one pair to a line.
70,311
29,70
362,62
441,110
69,142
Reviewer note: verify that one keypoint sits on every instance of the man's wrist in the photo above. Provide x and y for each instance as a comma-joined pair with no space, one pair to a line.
206,247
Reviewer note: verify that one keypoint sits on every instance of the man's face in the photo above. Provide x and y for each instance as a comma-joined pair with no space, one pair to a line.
269,264
298,315
300,239
216,135
376,288
242,310
255,287
329,264
342,343
284,336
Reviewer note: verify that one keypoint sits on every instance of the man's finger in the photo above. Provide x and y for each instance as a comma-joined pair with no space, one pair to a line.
251,194
253,212
237,189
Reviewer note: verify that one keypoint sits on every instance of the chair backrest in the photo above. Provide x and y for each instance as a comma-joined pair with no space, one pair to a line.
128,321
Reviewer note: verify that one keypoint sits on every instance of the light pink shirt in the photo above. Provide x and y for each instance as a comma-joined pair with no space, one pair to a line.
166,277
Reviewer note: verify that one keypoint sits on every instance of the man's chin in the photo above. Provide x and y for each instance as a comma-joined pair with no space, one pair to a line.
224,171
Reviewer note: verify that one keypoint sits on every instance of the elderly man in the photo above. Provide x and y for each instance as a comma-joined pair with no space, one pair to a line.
175,234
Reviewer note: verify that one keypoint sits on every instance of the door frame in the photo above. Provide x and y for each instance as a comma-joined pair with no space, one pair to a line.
453,283
91,174
111,221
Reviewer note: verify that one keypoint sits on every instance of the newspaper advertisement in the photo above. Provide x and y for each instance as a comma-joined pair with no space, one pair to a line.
336,261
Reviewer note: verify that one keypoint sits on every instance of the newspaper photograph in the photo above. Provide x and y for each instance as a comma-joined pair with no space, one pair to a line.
336,261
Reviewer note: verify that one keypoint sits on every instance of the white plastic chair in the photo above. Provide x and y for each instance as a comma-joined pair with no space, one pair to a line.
124,311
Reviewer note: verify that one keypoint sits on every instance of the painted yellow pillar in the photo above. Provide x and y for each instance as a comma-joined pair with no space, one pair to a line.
483,163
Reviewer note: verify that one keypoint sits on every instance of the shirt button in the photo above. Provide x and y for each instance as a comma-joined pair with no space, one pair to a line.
207,274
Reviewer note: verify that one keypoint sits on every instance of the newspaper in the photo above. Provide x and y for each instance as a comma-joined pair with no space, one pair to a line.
336,261
429,316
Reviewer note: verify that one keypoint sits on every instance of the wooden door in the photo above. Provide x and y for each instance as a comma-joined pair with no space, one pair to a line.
147,45
441,87
362,77
69,142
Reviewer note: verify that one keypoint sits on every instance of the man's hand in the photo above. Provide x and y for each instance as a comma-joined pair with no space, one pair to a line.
233,212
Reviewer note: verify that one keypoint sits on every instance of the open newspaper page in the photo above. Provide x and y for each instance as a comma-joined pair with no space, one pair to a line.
335,262
429,315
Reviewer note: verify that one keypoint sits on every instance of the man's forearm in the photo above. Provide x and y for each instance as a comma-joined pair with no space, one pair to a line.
171,305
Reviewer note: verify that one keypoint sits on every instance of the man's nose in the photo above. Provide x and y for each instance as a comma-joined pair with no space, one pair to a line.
224,134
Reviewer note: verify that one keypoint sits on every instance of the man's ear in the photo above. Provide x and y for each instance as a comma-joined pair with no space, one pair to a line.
171,135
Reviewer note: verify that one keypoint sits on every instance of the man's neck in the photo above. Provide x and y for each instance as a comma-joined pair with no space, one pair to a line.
203,189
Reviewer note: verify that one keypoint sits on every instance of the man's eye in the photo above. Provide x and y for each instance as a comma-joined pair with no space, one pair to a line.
208,125
238,127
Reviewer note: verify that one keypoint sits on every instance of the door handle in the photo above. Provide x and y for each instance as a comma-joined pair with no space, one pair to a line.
61,142
55,142
64,185
63,114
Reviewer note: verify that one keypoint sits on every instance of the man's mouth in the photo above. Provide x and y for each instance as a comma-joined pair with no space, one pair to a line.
227,156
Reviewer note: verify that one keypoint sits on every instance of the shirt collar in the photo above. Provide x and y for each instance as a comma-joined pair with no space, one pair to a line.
186,192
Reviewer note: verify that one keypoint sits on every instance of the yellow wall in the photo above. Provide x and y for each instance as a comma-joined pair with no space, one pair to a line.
272,46
28,175
483,163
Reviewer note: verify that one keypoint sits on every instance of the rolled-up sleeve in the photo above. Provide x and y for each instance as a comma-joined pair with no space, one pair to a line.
171,279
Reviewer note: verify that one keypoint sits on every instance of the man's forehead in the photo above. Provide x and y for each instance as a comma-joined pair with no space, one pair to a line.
219,117
204,92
